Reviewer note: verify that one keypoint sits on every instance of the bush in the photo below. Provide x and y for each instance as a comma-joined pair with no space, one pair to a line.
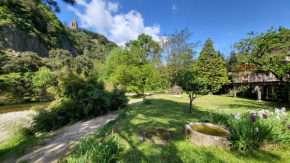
247,134
79,99
250,130
118,100
60,113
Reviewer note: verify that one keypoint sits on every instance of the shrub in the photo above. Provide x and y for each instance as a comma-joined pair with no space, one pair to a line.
60,113
247,134
250,130
118,100
79,99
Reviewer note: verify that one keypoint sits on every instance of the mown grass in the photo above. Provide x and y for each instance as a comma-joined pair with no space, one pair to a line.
172,113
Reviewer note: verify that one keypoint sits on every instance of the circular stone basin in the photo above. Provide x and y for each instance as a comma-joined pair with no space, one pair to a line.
207,134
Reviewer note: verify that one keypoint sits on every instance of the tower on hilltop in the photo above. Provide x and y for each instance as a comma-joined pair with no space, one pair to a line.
74,24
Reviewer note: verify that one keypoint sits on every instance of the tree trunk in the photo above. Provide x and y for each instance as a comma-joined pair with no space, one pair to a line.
190,106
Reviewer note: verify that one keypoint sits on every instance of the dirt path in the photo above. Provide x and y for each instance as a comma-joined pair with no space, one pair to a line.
65,138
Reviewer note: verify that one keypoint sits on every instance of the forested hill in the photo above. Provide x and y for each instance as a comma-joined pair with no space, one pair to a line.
29,25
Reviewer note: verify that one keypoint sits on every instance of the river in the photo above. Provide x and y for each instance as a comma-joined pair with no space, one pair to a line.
21,107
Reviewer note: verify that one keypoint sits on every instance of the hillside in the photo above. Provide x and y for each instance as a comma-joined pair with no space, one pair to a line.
32,26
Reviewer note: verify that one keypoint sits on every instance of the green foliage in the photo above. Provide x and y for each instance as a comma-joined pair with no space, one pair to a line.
90,149
59,58
232,62
138,61
42,80
248,135
78,99
60,113
267,50
24,62
16,87
118,100
101,146
90,44
249,131
180,53
34,18
210,68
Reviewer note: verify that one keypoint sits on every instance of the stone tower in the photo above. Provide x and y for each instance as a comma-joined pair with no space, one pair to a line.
74,24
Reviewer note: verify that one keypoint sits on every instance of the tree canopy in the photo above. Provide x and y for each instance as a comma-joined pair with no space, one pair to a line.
210,68
267,50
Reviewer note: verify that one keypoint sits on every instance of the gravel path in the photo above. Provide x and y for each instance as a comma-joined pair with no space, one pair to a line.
10,123
65,138
62,140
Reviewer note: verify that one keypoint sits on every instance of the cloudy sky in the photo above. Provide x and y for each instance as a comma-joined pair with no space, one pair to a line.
224,21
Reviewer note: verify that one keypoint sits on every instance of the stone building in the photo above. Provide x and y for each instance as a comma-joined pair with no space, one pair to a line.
74,24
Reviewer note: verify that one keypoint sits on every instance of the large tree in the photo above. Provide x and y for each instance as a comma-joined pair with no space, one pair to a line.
210,68
267,51
135,66
179,52
232,61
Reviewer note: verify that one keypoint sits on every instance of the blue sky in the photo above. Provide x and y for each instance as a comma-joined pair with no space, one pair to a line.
224,21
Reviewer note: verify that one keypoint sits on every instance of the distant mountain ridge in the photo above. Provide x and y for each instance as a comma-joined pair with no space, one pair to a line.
32,26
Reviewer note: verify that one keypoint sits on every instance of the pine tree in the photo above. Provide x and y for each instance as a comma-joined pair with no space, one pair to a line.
233,61
210,68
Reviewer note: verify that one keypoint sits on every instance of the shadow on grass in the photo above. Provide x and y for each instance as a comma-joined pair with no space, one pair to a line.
173,116
18,146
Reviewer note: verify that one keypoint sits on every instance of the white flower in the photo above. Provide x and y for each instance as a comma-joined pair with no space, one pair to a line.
271,112
283,113
237,115
257,129
278,117
100,144
277,110
283,109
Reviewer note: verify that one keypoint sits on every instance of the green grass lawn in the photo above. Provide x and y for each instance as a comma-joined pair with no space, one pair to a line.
172,113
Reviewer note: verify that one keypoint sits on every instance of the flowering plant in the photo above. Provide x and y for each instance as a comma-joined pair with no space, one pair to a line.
249,130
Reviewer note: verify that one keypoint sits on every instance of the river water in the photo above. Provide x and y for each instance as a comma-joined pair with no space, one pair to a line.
21,107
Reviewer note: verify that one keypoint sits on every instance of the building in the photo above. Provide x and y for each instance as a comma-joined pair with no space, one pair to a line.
264,83
74,24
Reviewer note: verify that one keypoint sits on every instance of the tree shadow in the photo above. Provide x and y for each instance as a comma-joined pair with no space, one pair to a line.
173,116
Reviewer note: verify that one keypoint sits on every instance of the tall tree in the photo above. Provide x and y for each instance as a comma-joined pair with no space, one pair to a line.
232,62
210,68
135,66
179,52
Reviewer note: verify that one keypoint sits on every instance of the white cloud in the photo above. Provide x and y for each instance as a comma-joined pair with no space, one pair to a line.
174,7
100,15
113,7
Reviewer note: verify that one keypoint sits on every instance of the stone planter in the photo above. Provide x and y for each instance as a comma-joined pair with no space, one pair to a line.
207,134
